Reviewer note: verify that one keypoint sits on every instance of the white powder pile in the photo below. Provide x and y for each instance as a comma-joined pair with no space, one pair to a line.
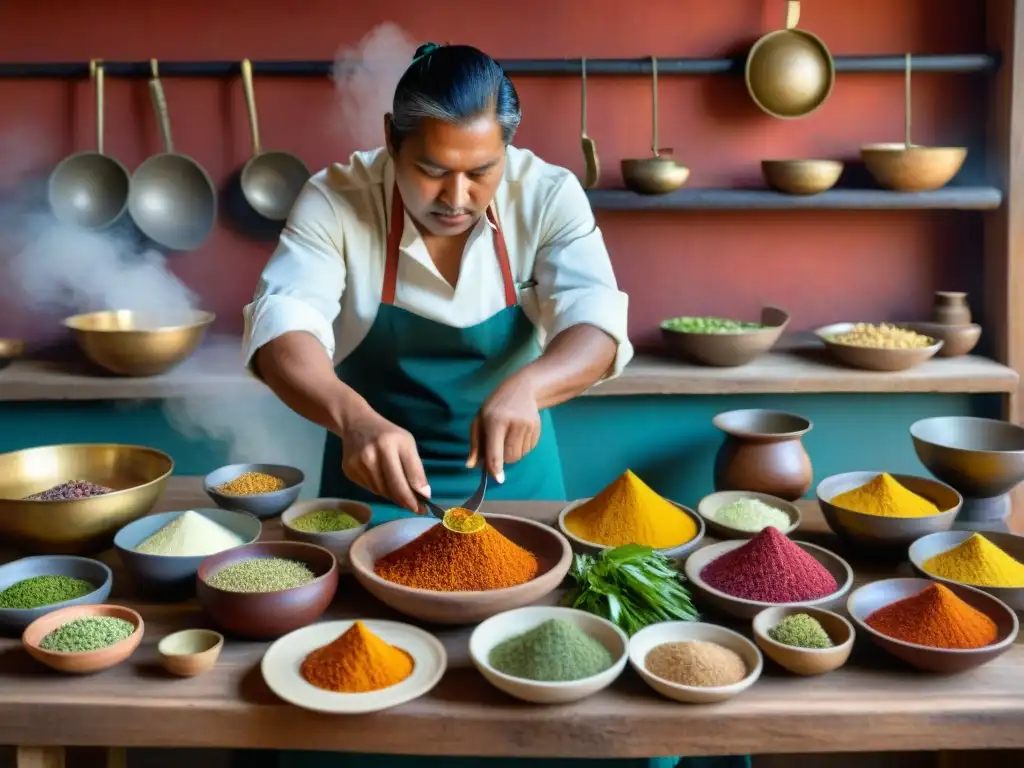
190,535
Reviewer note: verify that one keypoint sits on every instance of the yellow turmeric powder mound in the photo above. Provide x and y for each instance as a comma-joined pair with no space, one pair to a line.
884,497
629,512
976,561
356,662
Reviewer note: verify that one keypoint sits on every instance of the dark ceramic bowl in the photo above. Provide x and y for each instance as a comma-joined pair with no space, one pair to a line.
268,615
14,620
262,505
174,575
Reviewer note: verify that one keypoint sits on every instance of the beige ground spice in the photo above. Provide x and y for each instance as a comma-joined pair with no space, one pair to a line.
697,663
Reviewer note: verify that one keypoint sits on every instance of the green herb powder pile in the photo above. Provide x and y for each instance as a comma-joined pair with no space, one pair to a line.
38,591
557,650
262,574
709,325
325,521
751,515
801,631
87,634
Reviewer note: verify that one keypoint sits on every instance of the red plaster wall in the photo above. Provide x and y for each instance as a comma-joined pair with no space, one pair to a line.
824,266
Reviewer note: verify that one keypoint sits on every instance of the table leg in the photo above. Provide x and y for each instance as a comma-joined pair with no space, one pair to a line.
40,757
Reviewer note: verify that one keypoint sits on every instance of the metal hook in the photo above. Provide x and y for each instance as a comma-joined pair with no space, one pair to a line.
154,68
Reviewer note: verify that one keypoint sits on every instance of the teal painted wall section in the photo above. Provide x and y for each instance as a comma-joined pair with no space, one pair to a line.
669,441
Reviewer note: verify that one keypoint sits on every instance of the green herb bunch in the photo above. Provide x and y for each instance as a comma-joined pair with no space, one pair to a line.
632,586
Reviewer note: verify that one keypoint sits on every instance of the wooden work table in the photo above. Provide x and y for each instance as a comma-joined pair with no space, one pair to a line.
872,704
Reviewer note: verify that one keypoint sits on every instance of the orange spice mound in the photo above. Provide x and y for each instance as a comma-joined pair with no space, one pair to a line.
445,561
356,662
935,617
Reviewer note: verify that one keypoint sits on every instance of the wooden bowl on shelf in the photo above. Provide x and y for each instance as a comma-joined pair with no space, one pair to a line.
875,531
914,168
878,594
805,661
934,544
748,609
873,358
957,340
727,349
710,504
801,177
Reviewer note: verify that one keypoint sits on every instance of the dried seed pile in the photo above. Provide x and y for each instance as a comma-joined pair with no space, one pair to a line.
38,591
325,521
252,484
697,663
72,489
262,574
88,634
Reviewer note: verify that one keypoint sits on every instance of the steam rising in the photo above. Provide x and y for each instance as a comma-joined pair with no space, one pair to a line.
365,76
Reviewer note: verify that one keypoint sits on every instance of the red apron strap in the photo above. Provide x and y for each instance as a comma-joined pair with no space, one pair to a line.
394,246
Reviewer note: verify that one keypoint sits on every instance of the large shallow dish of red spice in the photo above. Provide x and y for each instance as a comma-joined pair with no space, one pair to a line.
550,549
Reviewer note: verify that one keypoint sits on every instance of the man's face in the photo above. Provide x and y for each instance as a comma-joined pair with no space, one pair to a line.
447,173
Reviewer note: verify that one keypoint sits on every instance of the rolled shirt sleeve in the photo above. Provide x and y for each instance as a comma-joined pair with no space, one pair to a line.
300,289
575,281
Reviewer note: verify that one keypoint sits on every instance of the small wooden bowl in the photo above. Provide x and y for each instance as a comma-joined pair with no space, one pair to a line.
878,594
957,340
727,350
914,168
338,542
190,652
872,358
710,504
875,531
801,177
805,661
83,662
591,548
748,609
927,547
648,638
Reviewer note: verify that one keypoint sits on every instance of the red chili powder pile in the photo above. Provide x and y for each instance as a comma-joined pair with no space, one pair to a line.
770,569
935,617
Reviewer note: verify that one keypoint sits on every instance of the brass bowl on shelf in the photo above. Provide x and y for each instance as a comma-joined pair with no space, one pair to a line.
11,349
656,175
801,177
912,168
131,343
136,474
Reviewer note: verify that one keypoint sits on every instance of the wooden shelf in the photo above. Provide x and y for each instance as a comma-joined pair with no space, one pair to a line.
707,199
798,364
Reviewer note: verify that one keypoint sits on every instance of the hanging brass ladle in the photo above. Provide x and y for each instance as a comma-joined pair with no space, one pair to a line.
655,175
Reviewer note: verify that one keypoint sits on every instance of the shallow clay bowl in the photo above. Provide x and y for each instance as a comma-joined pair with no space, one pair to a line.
338,542
590,548
933,544
14,620
710,504
262,505
84,662
875,531
513,623
914,168
870,358
174,575
801,177
727,349
878,594
957,340
551,549
267,615
805,661
748,609
190,652
648,638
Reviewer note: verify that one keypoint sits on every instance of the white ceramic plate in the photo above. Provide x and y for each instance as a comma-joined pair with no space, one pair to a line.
283,659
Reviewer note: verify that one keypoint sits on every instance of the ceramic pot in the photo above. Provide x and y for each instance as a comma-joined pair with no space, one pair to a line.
763,452
951,308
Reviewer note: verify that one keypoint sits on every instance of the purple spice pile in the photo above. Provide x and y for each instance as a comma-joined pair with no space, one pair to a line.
73,489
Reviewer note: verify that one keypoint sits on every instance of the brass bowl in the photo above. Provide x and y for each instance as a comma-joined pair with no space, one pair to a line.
914,168
137,475
138,343
11,349
789,73
654,175
801,177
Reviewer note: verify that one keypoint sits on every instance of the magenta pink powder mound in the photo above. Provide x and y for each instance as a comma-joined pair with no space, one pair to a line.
770,568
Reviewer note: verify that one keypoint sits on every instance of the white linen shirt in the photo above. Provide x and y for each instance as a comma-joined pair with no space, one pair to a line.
326,275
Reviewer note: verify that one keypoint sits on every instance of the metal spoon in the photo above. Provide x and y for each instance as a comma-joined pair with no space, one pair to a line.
472,503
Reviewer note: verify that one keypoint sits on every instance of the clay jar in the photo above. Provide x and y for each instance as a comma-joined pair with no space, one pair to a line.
762,452
951,308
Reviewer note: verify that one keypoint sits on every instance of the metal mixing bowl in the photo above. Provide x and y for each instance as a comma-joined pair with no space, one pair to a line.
139,343
137,475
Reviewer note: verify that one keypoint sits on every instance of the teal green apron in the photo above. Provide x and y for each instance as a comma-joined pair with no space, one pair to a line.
432,379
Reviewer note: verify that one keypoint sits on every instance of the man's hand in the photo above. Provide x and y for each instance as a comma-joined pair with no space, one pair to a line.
507,427
382,458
